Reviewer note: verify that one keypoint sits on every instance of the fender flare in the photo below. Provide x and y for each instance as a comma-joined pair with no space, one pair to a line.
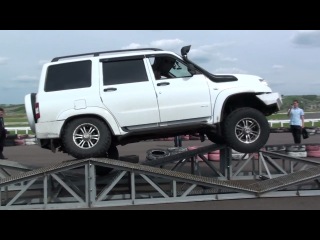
221,99
94,111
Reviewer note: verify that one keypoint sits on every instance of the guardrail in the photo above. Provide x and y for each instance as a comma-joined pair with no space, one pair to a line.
16,129
271,122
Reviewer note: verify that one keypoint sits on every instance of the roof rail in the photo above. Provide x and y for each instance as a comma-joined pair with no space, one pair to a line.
96,54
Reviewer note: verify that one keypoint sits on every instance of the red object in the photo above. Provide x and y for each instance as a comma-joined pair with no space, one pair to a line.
313,147
313,154
214,157
198,158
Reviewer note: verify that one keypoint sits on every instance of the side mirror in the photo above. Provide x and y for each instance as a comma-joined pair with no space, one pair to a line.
192,69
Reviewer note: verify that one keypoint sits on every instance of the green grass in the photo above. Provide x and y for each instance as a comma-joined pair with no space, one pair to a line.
21,132
278,116
15,119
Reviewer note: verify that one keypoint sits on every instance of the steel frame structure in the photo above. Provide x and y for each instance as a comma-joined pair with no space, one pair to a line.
183,177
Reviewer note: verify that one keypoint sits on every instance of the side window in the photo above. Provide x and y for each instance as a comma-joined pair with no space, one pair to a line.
66,76
179,69
126,71
168,67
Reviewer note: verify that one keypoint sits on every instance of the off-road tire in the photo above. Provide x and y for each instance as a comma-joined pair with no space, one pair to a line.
154,154
86,137
246,130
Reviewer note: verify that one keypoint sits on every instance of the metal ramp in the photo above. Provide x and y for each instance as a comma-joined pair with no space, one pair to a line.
178,178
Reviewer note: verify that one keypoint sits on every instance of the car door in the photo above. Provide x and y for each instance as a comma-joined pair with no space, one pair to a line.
181,96
127,92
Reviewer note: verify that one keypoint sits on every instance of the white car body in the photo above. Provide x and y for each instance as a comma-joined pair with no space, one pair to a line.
140,106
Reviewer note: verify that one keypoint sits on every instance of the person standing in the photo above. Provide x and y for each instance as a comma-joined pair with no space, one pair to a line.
296,121
178,141
3,133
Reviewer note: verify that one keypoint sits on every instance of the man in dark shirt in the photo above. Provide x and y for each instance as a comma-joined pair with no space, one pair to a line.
3,133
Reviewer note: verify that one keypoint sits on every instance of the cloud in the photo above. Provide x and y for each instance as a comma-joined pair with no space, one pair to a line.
3,60
167,44
277,68
25,78
20,82
215,46
41,62
133,46
228,59
306,38
207,53
276,83
317,84
201,54
229,70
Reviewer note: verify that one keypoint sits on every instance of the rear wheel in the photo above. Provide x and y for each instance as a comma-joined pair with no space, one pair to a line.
86,137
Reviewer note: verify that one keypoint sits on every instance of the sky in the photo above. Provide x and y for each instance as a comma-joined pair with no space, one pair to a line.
289,60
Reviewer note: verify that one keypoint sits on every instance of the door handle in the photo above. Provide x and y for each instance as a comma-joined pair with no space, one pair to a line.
109,89
163,84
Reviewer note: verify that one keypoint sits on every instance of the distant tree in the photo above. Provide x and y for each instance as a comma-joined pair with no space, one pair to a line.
310,97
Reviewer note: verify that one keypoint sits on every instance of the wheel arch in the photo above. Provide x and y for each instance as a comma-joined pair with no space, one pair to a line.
71,118
229,100
104,115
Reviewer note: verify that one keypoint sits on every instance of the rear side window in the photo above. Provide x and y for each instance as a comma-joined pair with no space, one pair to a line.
68,76
125,71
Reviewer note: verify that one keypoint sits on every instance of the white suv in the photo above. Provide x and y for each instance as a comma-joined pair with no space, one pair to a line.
87,104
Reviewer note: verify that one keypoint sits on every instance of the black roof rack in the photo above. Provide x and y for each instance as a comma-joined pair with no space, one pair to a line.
95,54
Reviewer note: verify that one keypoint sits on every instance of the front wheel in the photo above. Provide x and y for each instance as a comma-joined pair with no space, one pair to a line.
246,130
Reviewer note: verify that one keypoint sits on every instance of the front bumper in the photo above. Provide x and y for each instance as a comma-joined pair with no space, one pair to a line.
271,99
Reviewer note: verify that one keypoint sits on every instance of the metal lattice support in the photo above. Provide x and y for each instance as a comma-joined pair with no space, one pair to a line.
182,177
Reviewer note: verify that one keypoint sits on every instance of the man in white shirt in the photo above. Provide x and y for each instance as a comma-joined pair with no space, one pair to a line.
296,121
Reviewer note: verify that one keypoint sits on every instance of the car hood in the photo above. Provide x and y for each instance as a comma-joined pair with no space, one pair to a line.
251,81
